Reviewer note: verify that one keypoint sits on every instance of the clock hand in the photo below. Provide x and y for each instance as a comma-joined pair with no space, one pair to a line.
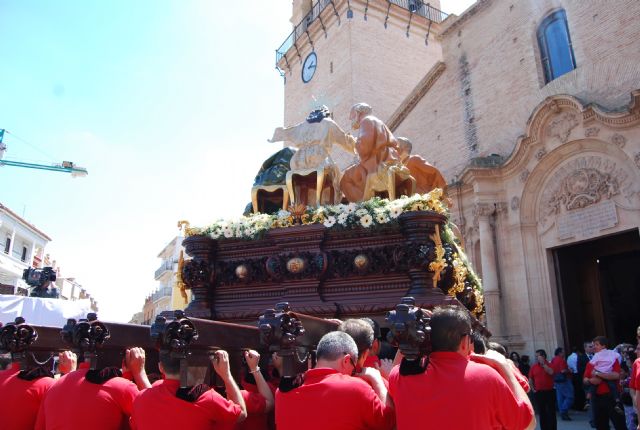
311,66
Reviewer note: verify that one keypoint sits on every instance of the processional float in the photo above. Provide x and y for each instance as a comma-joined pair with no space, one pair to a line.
319,243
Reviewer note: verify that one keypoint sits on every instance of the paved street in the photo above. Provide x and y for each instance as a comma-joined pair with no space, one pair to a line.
580,421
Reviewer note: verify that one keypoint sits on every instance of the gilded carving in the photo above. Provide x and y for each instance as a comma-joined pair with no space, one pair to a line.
591,132
562,125
619,140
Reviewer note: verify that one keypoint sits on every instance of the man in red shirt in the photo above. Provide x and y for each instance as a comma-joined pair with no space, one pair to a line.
22,389
206,410
76,402
603,402
562,383
330,398
257,394
541,376
458,390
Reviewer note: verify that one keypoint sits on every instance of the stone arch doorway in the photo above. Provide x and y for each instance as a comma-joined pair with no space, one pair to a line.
599,288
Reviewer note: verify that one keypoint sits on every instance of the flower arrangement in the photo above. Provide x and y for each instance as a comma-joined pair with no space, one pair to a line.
372,213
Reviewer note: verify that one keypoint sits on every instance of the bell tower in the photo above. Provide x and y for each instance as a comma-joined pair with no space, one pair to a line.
342,52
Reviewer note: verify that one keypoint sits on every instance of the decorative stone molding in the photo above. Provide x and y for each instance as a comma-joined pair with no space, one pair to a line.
541,153
501,208
524,175
416,95
484,210
515,203
583,182
591,132
619,140
562,125
636,158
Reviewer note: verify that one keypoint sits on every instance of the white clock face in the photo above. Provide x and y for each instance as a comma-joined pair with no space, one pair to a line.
309,67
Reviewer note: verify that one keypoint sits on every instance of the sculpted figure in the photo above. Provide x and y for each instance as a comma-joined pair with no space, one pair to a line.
427,176
379,168
314,138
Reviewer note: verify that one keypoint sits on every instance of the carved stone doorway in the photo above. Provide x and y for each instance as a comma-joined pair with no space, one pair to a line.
599,288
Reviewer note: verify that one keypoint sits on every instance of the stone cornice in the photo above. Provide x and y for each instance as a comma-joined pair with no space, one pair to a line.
554,105
480,5
410,102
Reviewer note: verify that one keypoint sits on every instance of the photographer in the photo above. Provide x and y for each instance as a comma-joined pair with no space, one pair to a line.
455,389
201,408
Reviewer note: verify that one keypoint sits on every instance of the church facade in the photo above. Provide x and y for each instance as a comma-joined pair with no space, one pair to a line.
532,112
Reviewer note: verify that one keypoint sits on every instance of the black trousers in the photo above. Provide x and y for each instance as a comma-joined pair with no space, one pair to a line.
546,402
602,405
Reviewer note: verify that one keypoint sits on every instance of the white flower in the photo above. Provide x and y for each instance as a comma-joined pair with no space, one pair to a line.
283,214
342,218
330,221
351,208
381,217
366,220
228,232
249,232
216,234
395,211
341,207
362,212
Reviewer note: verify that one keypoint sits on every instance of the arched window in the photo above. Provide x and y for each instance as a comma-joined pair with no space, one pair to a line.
555,46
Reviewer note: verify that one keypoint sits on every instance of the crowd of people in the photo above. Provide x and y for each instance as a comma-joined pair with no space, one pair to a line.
594,377
464,382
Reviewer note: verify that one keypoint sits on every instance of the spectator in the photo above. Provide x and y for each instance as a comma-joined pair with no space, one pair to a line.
603,400
562,383
454,377
330,398
541,376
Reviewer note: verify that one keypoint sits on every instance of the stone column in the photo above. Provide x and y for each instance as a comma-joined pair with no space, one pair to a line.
484,212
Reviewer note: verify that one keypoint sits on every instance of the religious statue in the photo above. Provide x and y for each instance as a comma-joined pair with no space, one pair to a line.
427,176
314,138
379,168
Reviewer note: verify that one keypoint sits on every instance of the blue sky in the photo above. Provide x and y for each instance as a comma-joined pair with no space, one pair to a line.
168,104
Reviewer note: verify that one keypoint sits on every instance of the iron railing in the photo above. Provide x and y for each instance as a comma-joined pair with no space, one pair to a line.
417,7
164,267
162,292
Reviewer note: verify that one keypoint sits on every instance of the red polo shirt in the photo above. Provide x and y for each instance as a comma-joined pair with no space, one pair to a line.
331,400
75,403
372,361
20,399
558,364
455,393
256,405
159,408
603,387
542,381
634,382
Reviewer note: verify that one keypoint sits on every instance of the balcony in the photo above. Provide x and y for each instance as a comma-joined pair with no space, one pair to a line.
162,292
417,7
166,266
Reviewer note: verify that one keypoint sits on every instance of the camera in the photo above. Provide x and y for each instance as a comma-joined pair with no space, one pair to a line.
40,280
